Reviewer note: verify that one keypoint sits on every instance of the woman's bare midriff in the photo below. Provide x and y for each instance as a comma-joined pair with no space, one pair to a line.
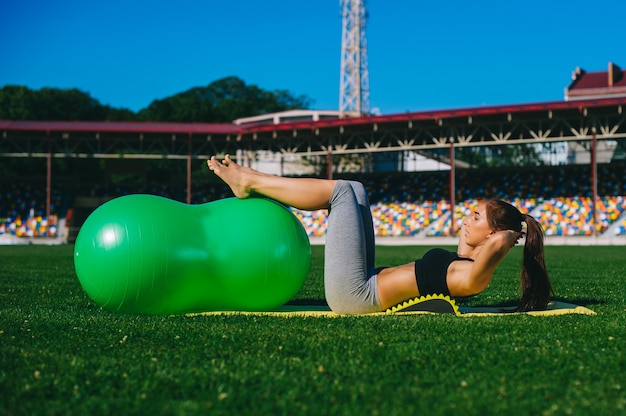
396,284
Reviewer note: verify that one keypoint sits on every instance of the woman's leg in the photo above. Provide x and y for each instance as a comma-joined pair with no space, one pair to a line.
349,280
302,193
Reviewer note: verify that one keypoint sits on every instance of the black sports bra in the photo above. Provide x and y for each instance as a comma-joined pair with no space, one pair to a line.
431,271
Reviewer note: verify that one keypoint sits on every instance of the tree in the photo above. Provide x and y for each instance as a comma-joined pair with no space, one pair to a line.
222,101
22,103
500,156
16,103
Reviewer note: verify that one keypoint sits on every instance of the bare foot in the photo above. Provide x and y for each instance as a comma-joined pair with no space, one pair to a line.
231,173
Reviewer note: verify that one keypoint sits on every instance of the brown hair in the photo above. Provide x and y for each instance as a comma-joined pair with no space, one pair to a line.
534,280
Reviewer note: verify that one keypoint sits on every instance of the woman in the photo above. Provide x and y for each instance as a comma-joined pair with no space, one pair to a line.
352,284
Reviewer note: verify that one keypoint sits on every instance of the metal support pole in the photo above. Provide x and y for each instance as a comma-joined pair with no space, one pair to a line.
189,170
329,165
452,190
49,178
594,181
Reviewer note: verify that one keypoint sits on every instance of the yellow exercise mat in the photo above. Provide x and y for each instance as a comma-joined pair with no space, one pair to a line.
554,308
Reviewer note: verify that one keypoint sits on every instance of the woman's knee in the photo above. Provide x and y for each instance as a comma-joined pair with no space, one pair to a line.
359,191
356,187
342,189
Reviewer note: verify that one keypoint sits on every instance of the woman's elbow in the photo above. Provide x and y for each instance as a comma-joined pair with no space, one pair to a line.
504,240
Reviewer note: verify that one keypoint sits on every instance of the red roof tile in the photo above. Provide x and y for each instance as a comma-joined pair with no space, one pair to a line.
594,80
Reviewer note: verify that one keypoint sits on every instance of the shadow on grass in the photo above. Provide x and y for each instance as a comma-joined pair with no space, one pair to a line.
582,301
312,302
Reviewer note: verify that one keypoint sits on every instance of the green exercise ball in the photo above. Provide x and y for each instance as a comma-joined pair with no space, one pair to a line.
149,254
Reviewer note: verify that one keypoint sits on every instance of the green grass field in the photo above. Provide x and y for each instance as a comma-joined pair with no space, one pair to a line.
62,354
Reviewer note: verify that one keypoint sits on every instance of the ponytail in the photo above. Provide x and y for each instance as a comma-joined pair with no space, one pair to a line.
534,280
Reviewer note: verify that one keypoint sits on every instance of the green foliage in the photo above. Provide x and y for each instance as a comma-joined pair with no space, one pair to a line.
500,156
220,102
21,103
61,354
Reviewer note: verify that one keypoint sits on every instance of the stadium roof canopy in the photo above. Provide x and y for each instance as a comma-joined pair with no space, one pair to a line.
602,118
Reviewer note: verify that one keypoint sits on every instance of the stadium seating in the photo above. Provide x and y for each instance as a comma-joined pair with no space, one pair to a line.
574,215
403,204
621,229
22,211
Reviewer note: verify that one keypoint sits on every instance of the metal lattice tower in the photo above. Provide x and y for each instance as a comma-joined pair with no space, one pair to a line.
354,95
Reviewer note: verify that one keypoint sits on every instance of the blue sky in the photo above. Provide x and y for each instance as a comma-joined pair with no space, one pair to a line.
423,55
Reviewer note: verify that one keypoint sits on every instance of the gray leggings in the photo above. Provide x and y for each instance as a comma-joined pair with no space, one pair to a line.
349,274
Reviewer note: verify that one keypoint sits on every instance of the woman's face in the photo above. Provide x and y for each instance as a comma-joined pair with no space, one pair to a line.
476,227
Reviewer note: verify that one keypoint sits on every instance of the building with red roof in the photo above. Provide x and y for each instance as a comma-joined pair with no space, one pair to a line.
593,85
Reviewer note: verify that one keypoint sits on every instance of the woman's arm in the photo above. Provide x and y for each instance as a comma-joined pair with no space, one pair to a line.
478,276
